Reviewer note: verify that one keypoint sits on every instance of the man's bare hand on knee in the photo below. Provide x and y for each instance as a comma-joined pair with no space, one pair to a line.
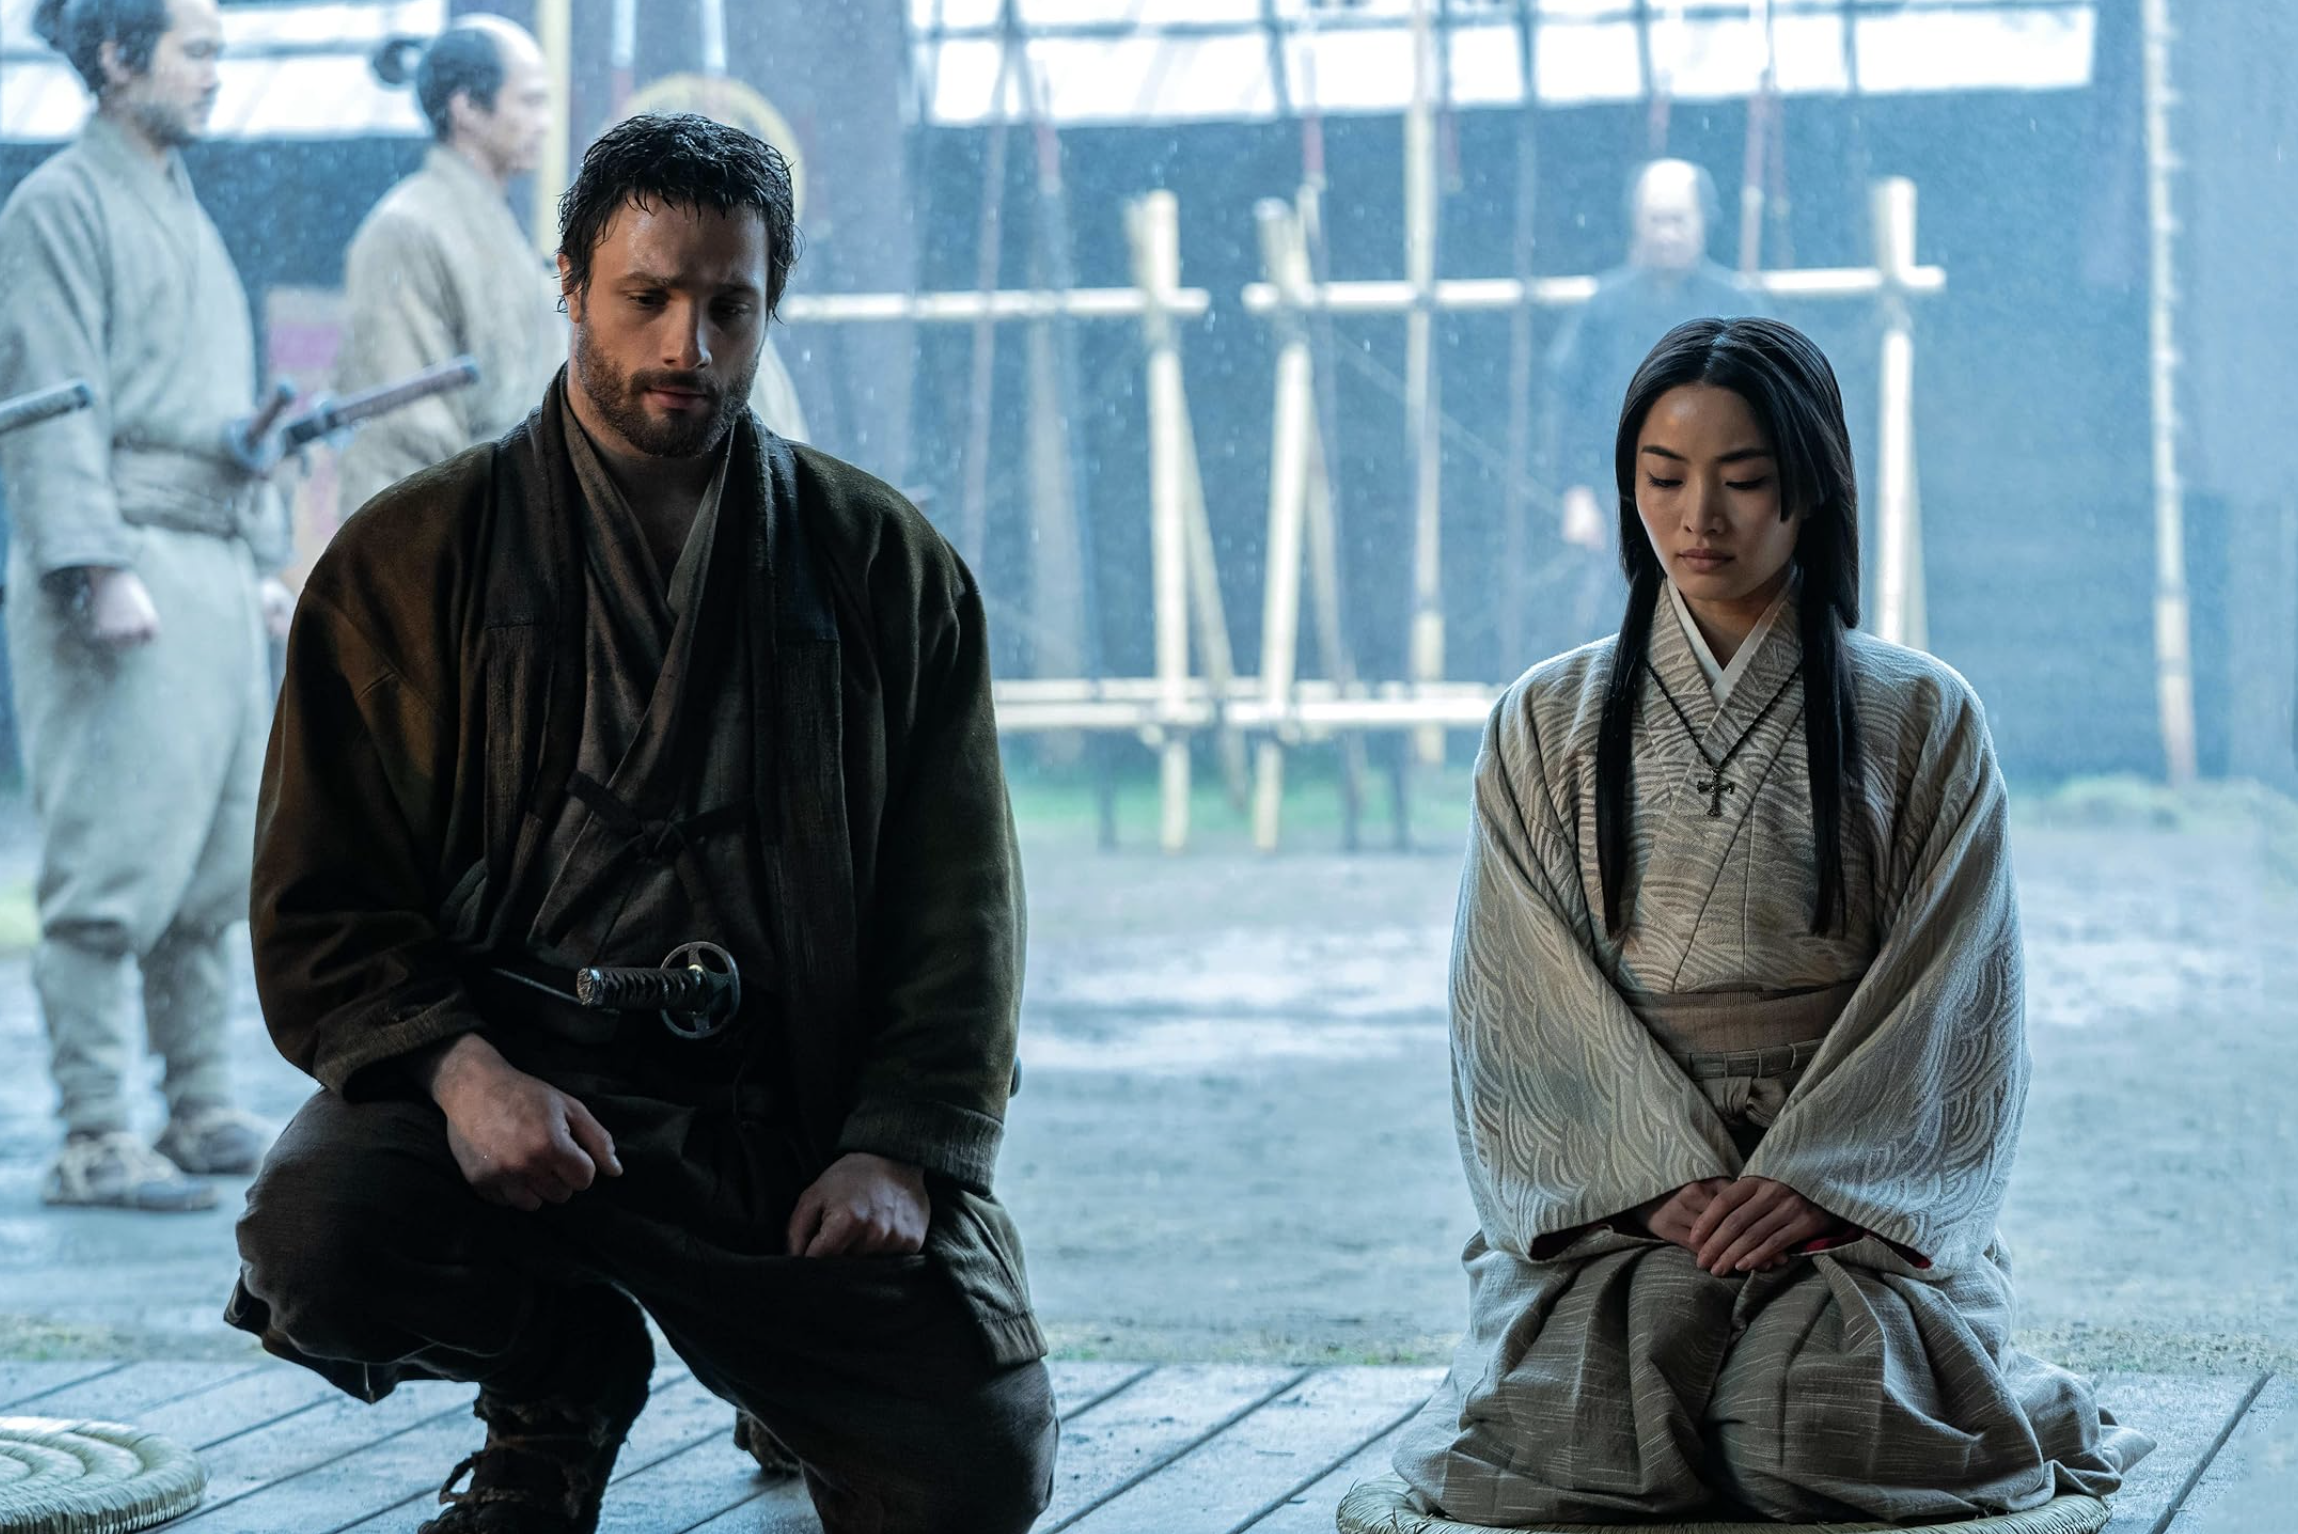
519,1140
864,1206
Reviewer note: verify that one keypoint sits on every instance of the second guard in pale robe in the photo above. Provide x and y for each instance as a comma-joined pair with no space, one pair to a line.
440,268
1738,1031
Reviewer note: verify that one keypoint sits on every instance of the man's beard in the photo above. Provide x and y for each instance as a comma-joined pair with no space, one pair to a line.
620,398
173,127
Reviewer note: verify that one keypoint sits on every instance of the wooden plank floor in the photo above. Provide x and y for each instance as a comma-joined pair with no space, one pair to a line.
1179,1449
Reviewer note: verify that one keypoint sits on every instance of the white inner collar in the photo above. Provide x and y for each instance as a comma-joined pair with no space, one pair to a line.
1721,678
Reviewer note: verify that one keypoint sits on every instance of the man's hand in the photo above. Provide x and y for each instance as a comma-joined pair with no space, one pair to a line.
1670,1216
1755,1223
864,1206
120,610
520,1141
278,606
1583,519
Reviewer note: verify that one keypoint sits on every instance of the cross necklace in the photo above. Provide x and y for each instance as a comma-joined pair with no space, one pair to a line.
1715,786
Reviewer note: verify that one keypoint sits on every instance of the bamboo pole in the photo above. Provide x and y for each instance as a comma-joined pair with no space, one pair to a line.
1303,529
2173,623
1316,711
1154,225
1291,443
1493,294
1000,305
1423,416
1328,553
1208,613
1325,551
1899,565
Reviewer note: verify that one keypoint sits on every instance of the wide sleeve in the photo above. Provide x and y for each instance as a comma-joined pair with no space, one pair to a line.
350,964
1907,1121
1567,1111
53,277
941,984
405,315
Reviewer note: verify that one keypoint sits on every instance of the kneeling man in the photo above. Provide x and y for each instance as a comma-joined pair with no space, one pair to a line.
642,677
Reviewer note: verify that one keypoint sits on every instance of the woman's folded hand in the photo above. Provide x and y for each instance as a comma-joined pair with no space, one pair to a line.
1754,1223
1671,1215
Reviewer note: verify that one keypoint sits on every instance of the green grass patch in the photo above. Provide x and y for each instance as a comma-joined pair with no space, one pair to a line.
2219,807
1060,807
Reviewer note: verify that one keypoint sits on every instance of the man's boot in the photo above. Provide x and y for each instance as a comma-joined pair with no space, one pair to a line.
756,1439
550,1452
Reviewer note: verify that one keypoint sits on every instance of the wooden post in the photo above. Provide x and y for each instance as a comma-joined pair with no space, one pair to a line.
1210,614
1326,554
1289,449
1422,410
2173,624
1154,224
1303,528
1899,561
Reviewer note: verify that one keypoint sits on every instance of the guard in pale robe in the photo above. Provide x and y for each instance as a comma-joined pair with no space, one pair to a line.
440,267
142,757
1667,279
1873,1062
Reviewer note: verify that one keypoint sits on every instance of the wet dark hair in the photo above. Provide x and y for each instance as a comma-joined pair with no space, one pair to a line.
686,161
464,60
78,29
1792,392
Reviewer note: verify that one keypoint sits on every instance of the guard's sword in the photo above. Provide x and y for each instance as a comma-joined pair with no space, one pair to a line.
697,989
45,404
329,415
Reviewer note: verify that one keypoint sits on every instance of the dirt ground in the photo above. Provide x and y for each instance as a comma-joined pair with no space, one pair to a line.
1234,1136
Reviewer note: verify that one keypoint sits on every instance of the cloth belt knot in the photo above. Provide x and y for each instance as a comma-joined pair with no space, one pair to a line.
663,840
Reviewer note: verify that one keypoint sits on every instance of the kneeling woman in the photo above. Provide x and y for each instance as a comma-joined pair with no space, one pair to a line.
1738,1032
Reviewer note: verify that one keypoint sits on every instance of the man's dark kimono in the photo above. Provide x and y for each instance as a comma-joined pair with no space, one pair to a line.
436,839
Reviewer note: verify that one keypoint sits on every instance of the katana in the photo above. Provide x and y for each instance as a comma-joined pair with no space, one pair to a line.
45,404
698,989
329,415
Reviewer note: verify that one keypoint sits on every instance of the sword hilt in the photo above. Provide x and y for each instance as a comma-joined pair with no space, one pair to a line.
615,988
698,989
45,404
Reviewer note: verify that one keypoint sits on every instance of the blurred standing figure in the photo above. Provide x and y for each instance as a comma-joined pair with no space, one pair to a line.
441,267
1667,280
136,625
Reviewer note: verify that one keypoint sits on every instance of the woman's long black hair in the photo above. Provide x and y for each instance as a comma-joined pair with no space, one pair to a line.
1792,392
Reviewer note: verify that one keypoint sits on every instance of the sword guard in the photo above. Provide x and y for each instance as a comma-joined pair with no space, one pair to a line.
715,963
